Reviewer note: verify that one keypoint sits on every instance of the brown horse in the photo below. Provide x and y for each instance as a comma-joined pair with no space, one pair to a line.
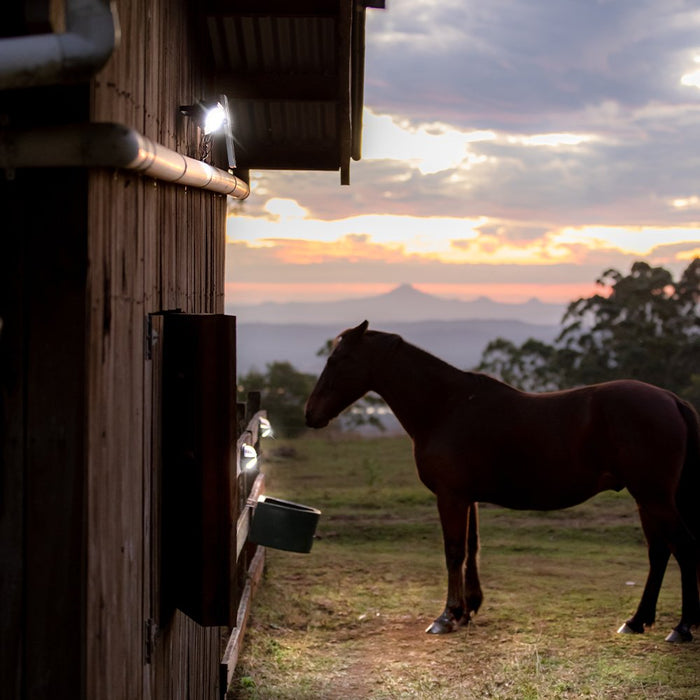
477,439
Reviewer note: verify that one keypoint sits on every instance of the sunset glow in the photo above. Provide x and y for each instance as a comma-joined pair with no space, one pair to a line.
258,292
552,140
430,148
513,293
295,238
509,165
692,79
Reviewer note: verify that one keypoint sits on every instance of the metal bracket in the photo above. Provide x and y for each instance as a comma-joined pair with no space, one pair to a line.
150,335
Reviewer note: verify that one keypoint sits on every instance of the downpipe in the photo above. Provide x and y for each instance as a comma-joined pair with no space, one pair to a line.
92,34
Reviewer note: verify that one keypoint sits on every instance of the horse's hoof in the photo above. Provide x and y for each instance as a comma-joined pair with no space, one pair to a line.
626,629
680,635
443,625
473,604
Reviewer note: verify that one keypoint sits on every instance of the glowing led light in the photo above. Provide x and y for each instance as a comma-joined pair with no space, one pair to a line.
249,457
214,119
266,428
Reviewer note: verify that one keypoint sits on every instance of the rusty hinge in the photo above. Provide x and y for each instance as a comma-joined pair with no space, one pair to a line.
151,638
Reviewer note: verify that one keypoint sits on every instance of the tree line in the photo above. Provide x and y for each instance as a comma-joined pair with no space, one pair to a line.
283,393
647,327
644,325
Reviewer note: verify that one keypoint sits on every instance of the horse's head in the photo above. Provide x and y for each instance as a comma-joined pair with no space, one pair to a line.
345,378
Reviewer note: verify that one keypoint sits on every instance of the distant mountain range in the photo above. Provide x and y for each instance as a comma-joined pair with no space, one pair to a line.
405,303
460,343
456,331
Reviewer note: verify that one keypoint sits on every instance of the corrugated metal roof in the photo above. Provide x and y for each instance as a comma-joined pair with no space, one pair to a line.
293,73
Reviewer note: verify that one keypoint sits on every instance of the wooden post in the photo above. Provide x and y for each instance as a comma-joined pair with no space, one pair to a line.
253,404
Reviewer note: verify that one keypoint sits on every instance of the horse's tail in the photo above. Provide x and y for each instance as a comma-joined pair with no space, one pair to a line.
689,488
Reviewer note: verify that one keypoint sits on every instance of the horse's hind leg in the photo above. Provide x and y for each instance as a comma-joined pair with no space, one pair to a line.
664,526
686,555
453,517
659,554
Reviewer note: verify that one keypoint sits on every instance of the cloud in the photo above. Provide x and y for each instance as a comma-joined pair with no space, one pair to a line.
430,148
642,241
352,248
539,141
510,231
261,266
692,78
550,258
555,178
508,63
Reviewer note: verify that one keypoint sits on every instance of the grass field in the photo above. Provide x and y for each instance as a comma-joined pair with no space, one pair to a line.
347,620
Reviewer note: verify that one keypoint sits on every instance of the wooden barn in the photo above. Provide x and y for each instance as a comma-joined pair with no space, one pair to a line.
122,503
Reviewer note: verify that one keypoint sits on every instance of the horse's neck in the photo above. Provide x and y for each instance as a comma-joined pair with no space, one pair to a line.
412,381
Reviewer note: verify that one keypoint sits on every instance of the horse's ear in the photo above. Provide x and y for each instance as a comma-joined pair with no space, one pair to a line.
357,332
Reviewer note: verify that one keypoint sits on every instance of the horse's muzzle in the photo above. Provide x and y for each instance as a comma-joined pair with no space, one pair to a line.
314,421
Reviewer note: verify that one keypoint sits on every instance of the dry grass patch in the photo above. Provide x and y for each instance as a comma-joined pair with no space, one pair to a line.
347,620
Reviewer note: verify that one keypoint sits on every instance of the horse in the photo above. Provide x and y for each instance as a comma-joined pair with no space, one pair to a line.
477,439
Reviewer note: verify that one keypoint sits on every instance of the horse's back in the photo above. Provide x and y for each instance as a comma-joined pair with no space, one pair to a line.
557,449
630,433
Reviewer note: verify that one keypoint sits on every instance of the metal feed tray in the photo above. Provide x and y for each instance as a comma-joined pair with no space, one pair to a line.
283,525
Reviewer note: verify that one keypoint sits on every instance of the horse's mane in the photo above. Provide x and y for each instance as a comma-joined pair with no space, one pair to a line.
397,344
486,380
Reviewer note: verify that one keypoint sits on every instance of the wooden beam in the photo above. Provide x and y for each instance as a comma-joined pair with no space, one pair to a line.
357,97
243,523
344,52
233,647
277,86
286,157
279,8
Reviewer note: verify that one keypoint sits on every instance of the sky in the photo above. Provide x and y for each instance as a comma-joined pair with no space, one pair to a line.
511,149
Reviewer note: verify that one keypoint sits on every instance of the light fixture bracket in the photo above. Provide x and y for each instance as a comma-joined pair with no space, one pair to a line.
201,113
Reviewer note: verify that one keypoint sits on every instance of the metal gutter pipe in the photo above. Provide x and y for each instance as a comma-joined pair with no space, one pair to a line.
107,145
92,34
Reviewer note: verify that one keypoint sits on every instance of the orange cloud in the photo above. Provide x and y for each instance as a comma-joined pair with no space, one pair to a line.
689,254
256,292
354,247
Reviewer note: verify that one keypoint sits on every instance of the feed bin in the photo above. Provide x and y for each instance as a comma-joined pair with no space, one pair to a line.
283,524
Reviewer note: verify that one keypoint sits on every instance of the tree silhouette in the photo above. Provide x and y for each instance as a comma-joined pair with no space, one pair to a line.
283,392
647,327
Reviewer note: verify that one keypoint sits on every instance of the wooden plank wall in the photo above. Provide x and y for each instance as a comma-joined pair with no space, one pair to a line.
42,343
151,247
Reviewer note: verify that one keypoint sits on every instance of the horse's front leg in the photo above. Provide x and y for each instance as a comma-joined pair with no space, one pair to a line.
453,517
472,586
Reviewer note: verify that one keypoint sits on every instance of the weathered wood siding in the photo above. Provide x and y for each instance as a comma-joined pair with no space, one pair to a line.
42,345
151,247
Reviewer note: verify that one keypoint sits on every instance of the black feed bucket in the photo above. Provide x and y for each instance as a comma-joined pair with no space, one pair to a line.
283,525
